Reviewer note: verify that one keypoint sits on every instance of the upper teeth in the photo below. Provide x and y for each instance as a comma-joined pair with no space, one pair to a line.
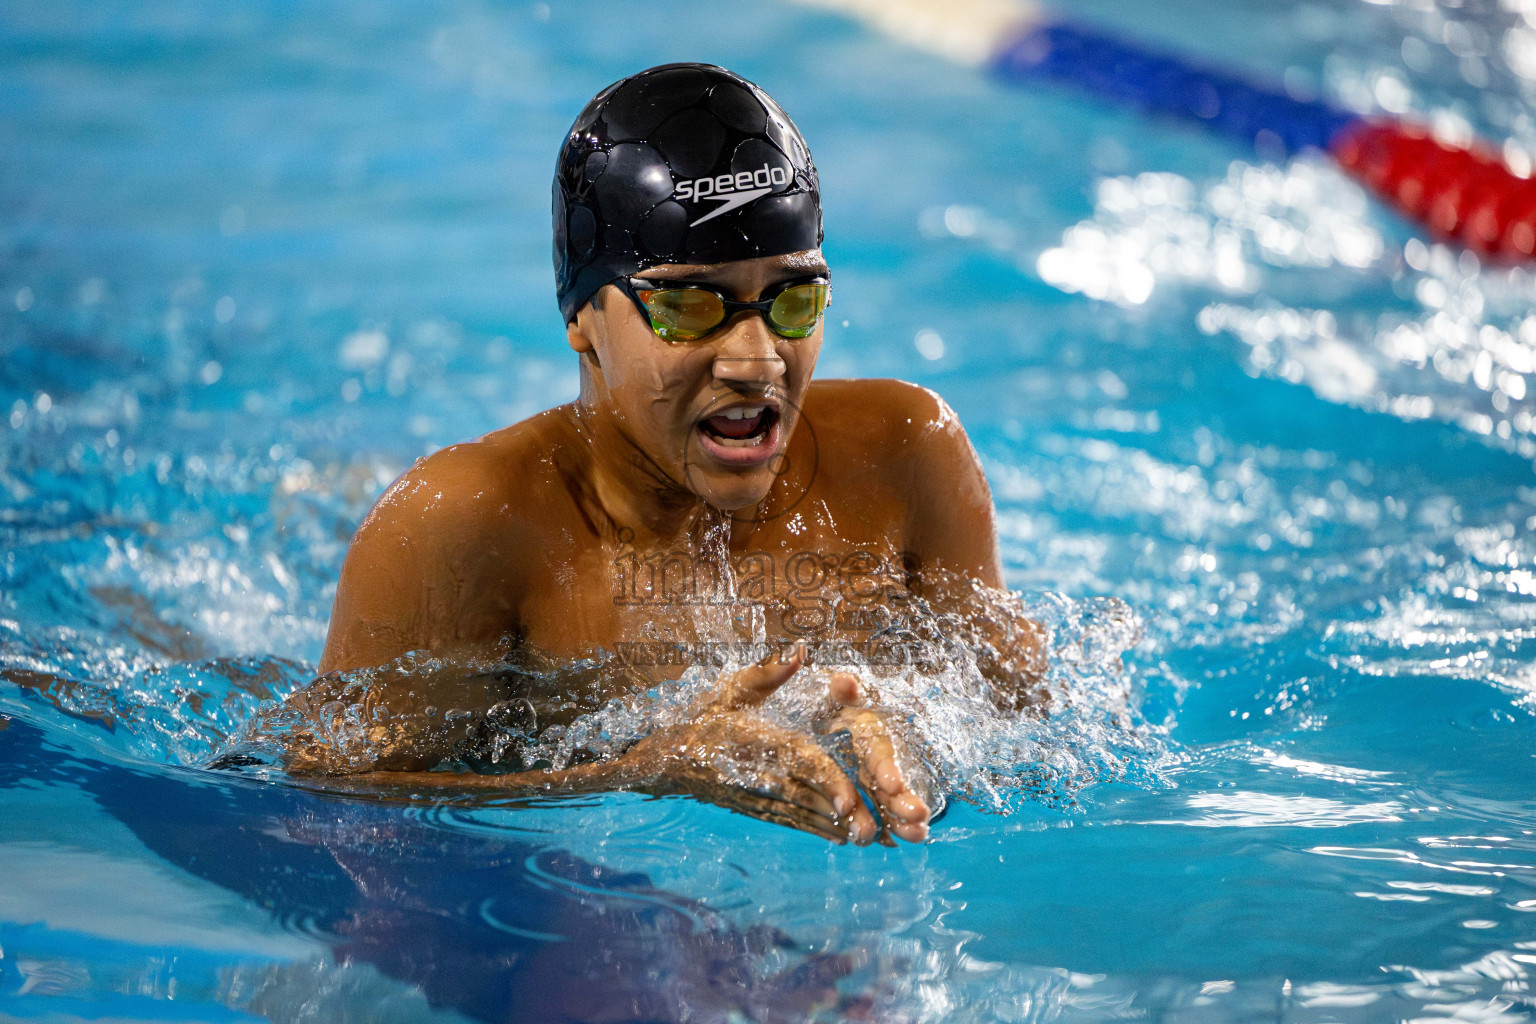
743,412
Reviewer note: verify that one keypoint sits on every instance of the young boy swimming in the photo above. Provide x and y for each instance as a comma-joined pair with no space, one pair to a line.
688,229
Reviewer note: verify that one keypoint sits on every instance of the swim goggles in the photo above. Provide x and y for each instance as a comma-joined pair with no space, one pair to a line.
683,313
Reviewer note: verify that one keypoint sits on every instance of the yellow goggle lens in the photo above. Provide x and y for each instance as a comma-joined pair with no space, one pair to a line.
683,314
795,310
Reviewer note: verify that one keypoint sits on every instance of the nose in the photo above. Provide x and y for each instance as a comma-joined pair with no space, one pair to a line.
747,354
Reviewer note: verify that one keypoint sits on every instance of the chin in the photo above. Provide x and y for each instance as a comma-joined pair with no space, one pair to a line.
731,494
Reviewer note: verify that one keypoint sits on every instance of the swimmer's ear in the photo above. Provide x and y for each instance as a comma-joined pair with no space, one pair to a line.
582,333
576,336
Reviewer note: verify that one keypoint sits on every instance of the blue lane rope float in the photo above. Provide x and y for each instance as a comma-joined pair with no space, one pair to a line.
1131,75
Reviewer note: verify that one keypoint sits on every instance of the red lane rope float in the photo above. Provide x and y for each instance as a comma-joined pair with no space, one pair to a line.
1465,195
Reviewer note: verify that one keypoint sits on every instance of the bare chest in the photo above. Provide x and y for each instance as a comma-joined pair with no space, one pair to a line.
683,603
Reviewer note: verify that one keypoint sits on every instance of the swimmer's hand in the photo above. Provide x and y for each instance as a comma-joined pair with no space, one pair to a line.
902,788
730,756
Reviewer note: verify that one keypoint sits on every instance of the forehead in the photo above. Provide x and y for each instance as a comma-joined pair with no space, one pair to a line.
763,268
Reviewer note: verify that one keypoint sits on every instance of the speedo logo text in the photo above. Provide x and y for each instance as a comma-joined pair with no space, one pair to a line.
732,190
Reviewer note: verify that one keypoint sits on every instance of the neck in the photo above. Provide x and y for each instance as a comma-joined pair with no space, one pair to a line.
624,489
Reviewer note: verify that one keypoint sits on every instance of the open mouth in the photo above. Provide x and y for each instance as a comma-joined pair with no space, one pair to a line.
744,435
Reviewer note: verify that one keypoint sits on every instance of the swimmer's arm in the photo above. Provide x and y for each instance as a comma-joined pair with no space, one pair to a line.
798,803
728,756
663,770
951,538
662,765
432,566
408,715
425,572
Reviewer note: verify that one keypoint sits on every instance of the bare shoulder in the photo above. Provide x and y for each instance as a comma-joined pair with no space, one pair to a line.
910,440
891,419
481,481
437,562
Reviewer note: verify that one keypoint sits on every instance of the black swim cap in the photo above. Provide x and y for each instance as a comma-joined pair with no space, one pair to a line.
683,163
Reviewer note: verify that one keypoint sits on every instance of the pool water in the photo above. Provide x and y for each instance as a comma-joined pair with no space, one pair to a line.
254,261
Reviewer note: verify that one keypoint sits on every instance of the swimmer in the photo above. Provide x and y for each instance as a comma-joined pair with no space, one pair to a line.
689,271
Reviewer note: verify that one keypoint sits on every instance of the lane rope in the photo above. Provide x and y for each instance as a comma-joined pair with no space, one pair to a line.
1466,194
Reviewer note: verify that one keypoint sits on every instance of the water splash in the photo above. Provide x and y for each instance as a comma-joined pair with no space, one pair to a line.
132,703
987,724
985,721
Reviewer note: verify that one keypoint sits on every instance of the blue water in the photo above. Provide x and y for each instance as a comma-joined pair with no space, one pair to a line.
255,260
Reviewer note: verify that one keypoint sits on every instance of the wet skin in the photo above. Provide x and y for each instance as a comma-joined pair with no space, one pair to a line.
526,533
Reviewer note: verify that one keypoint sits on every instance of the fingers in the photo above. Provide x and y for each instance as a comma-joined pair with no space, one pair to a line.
805,796
807,769
846,689
887,780
811,768
803,806
840,792
785,799
751,686
726,755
